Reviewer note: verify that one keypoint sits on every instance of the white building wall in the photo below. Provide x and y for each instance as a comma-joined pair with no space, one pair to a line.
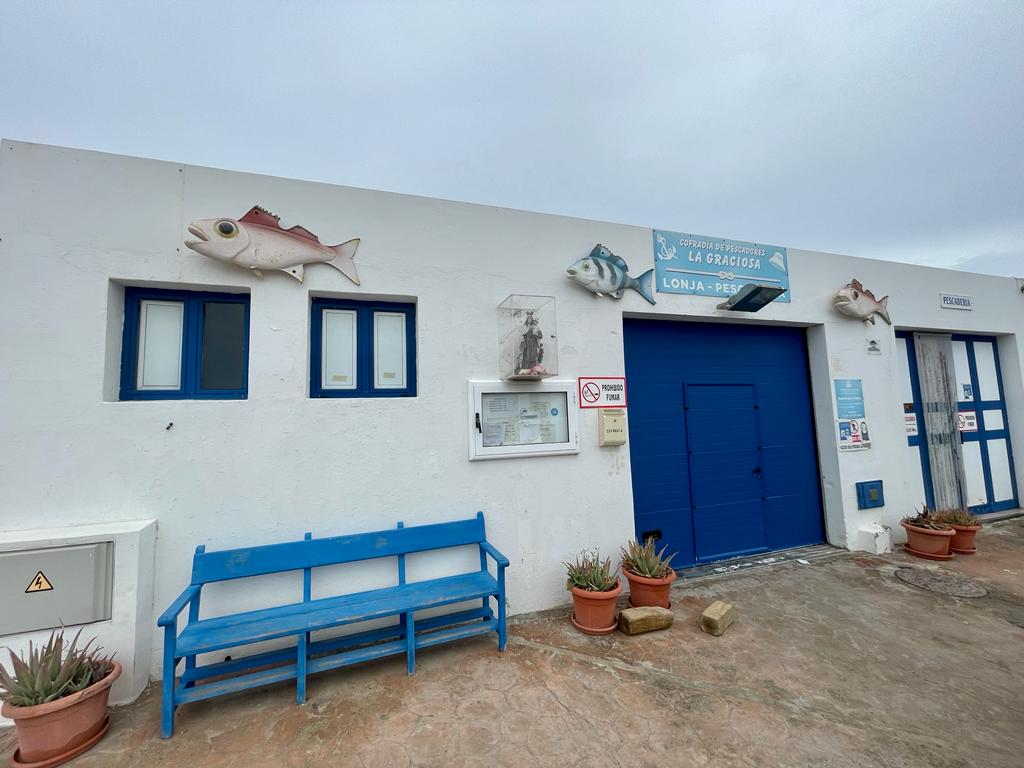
76,226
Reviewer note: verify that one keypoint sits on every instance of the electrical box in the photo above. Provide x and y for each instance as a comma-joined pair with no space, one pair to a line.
611,426
57,586
870,495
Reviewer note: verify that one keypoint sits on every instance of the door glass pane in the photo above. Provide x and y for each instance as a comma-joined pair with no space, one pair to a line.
976,493
160,333
994,420
916,479
964,390
984,358
903,365
389,350
999,461
338,361
223,350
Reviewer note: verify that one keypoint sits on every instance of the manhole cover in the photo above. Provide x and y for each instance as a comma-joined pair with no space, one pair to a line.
941,581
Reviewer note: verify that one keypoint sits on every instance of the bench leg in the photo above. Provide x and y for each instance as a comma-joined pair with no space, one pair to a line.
410,643
190,666
167,702
300,669
502,626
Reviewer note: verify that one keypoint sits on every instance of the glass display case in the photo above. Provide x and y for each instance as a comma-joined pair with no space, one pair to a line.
527,344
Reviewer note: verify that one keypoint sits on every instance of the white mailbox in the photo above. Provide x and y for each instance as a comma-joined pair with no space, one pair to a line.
611,425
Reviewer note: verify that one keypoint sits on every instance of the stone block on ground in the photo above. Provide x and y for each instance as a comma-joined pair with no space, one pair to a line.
717,617
636,621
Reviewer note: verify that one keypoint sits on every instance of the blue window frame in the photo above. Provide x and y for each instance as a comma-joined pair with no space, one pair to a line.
986,412
184,345
362,349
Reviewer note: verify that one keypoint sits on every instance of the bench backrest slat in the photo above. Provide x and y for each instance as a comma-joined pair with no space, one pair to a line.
296,555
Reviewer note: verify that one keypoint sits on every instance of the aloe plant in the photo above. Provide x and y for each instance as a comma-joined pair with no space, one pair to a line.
590,573
645,560
49,672
957,517
928,518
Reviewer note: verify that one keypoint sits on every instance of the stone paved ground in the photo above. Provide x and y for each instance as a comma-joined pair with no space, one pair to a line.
833,663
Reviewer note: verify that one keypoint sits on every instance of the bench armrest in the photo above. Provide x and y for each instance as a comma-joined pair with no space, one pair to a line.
499,558
170,616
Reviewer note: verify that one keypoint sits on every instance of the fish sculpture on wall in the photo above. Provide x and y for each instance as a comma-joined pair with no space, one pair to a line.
258,242
603,272
854,300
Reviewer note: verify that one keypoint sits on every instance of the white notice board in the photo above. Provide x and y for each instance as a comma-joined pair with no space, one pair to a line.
509,419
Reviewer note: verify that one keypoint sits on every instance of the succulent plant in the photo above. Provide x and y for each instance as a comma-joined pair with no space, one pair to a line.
928,518
645,560
957,517
49,672
590,573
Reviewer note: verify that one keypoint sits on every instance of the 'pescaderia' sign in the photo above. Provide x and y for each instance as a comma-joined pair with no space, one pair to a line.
711,266
955,301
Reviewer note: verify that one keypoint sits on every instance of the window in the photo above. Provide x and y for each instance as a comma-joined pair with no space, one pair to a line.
184,345
362,349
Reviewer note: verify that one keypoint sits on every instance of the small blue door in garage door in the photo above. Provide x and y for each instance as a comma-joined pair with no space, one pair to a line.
722,446
722,432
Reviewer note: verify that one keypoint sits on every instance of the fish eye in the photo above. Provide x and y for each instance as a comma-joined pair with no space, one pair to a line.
856,295
586,265
227,228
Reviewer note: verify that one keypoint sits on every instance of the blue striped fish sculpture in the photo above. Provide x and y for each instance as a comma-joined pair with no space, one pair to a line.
603,272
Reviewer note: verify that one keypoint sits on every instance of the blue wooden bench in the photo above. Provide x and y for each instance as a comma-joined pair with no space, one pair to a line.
299,619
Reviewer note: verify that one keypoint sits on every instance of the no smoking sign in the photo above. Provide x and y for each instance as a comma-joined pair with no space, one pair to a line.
602,391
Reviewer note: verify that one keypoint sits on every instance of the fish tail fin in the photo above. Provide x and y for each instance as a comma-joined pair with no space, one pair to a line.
343,261
884,309
642,285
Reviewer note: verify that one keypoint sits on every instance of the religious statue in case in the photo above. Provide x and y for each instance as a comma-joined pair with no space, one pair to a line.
527,348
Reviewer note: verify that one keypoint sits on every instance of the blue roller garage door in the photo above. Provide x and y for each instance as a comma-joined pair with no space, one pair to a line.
721,438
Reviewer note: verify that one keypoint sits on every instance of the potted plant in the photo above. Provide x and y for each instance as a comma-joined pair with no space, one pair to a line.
595,587
927,535
57,699
649,573
965,527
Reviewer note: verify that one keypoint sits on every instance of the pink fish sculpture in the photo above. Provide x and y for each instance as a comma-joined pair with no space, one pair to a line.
854,300
258,242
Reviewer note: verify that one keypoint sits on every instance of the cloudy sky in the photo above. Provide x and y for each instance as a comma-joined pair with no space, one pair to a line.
891,130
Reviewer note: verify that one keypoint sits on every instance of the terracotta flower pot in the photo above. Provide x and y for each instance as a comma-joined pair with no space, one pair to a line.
927,542
52,733
645,591
963,539
594,612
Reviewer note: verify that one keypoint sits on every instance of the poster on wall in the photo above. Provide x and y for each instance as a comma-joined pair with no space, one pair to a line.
909,420
524,418
712,266
851,419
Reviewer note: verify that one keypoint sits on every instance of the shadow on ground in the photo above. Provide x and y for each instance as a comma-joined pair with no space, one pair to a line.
831,663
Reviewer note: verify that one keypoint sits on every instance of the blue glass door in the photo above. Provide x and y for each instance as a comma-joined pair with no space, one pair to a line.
985,438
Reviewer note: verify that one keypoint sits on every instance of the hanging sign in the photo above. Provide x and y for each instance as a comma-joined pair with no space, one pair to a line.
711,266
602,391
851,419
39,583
